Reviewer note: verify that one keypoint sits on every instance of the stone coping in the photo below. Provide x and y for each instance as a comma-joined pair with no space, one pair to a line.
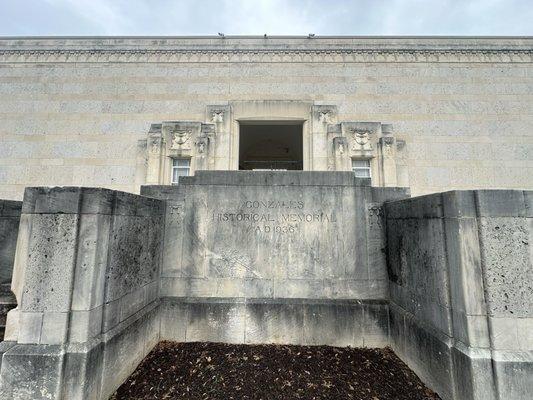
287,43
273,178
464,204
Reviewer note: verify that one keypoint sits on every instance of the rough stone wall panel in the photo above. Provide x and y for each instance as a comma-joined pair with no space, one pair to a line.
49,271
134,254
479,345
507,266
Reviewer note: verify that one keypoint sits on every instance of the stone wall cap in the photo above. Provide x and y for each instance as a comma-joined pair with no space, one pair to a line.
288,43
87,200
275,178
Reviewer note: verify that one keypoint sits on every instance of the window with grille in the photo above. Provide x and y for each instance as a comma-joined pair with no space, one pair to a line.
180,167
361,168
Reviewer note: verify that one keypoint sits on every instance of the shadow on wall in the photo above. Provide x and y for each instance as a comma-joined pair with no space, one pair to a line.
9,227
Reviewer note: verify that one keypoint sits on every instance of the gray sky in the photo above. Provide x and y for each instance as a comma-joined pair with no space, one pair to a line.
274,17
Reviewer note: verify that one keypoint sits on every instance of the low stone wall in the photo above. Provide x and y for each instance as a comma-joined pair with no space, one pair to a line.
461,299
86,279
352,323
260,257
9,226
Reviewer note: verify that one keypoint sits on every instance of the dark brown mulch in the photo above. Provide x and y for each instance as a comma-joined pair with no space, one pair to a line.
221,371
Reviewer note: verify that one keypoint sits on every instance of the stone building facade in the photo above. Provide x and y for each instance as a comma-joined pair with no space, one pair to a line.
431,114
333,251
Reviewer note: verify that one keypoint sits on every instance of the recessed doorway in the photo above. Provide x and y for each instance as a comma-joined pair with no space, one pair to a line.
270,145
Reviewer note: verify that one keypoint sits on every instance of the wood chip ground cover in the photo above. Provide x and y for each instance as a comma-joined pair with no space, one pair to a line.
222,371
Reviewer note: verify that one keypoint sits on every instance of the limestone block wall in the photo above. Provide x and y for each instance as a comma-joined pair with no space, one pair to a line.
73,110
86,280
268,257
9,226
460,271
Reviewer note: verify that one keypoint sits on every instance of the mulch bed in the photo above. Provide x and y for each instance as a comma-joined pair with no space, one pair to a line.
221,371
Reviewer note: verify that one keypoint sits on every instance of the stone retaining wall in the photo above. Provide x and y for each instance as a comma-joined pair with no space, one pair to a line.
461,296
261,257
86,279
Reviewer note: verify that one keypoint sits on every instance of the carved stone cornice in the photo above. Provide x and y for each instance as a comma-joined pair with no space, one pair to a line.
264,55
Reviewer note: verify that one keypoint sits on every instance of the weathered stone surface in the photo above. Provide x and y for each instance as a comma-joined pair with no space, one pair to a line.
513,372
418,269
459,104
451,294
508,268
473,374
50,264
89,307
297,321
134,251
83,372
298,244
9,226
9,223
487,273
124,350
31,372
500,203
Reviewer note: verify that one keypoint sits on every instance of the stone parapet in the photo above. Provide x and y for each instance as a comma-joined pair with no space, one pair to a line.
460,272
307,258
86,279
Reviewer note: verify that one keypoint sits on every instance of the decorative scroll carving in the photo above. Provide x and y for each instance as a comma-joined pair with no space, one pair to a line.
361,140
179,137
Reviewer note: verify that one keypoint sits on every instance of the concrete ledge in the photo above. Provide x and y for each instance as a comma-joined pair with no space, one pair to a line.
287,321
274,178
359,289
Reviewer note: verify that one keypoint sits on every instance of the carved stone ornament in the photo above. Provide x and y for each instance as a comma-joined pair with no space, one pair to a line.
180,137
326,117
361,140
388,142
217,116
155,146
201,145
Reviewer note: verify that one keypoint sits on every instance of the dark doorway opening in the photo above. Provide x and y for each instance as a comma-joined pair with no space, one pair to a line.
270,146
